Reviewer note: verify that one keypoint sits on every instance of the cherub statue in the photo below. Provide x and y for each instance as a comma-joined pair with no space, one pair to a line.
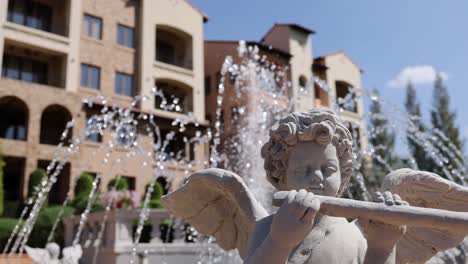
309,155
51,253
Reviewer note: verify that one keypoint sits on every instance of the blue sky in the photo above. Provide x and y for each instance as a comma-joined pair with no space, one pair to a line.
390,40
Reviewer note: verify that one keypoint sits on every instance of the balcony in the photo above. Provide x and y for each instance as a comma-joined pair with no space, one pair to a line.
174,97
345,96
46,15
174,47
33,65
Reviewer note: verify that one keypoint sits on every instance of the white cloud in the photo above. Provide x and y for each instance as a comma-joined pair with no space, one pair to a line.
418,74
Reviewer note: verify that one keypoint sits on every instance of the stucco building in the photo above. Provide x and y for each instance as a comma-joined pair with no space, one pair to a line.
290,47
54,53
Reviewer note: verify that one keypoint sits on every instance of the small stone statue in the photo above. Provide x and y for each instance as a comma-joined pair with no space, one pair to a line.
309,160
51,253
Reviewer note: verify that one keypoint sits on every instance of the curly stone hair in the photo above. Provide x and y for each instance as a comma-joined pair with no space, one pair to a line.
319,125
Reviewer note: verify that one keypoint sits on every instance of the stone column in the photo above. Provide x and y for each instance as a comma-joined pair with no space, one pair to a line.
74,35
3,17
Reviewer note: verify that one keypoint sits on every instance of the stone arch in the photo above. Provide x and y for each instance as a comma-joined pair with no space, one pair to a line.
54,120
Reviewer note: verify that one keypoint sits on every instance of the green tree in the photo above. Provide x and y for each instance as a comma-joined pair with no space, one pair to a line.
413,108
383,141
444,119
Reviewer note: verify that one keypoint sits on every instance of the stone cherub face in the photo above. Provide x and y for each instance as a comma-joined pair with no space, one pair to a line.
313,167
310,150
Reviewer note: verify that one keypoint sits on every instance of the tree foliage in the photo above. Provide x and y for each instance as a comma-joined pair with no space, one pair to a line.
382,139
415,129
443,120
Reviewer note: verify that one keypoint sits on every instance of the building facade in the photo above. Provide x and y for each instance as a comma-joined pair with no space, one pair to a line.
55,53
290,47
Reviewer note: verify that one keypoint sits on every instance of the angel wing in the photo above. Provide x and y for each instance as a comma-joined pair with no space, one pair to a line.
217,202
38,255
425,189
72,254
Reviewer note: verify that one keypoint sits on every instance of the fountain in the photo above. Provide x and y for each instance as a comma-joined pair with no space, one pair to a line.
266,87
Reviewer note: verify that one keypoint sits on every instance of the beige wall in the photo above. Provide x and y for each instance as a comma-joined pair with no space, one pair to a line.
106,53
181,16
341,68
300,47
299,44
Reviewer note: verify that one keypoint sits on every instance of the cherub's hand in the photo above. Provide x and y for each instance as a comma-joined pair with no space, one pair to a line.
294,219
379,234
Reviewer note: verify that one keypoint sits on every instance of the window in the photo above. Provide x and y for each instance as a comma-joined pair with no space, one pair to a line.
30,13
124,84
92,26
90,76
207,85
125,36
93,128
24,69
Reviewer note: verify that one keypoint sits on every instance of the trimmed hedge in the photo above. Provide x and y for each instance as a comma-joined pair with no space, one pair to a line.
44,224
35,180
156,195
122,185
83,187
6,228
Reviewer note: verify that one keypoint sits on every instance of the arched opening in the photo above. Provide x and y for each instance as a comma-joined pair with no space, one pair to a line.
53,123
177,96
14,118
302,81
164,183
344,97
174,46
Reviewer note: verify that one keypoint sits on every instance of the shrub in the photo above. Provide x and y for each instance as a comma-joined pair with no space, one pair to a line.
83,187
35,180
44,224
122,184
156,195
12,208
6,228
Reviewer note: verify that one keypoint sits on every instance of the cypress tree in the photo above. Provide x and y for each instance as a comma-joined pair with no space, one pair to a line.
443,119
414,110
383,141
